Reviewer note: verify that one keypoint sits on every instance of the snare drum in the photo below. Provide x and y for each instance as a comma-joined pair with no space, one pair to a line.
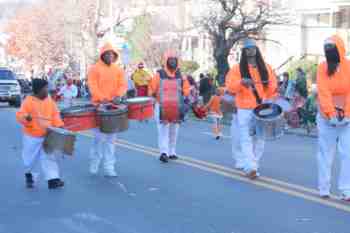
113,118
269,121
140,108
80,118
60,140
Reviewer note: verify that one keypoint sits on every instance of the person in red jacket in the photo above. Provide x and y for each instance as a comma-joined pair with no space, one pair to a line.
37,113
333,120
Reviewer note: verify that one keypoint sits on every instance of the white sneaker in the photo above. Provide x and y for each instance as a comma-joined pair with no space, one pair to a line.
111,173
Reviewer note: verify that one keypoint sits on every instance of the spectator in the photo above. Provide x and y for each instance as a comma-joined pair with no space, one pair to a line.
205,88
301,84
141,80
284,83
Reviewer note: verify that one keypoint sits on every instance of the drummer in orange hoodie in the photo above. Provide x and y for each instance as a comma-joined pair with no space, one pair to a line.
107,84
252,73
169,87
37,113
333,120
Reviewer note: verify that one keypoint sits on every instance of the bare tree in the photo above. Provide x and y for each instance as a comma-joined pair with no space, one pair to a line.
230,21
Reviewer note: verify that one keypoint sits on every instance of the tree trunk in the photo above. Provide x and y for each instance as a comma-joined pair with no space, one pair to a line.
221,54
222,67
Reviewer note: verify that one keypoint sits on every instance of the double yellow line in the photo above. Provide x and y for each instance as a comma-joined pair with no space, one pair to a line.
264,182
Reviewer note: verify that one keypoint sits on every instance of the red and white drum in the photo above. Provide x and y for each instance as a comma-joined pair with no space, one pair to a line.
140,108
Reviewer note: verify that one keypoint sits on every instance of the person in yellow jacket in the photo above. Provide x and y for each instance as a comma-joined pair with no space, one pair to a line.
37,113
107,84
141,80
333,120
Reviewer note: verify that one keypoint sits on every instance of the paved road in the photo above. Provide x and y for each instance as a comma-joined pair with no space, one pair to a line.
199,194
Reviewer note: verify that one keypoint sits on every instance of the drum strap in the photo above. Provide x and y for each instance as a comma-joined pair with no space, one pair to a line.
256,94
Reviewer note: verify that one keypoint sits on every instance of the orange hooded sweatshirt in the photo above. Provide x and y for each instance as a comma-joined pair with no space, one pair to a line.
106,82
44,114
245,98
334,91
155,82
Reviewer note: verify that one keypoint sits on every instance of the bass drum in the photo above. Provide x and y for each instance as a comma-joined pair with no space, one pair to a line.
269,121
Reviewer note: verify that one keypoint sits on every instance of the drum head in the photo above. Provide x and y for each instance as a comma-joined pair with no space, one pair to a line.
268,111
60,131
139,100
108,110
79,109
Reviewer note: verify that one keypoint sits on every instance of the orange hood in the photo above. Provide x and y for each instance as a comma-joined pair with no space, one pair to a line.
339,43
109,47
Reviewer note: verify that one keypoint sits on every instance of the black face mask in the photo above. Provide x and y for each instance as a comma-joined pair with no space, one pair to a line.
332,57
172,63
108,58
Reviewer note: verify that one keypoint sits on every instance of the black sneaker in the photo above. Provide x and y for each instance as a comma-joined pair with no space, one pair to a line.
164,158
173,157
29,180
55,184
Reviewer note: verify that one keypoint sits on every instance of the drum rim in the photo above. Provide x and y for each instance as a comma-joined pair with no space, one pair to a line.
114,112
88,109
142,100
274,118
62,131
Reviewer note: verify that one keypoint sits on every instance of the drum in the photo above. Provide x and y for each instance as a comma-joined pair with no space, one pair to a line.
113,118
140,108
269,121
80,118
60,140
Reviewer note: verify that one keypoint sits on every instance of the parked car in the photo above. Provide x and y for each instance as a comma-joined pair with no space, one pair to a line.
10,89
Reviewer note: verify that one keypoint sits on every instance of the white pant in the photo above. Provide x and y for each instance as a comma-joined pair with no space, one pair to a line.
252,147
236,147
103,148
331,140
167,135
33,153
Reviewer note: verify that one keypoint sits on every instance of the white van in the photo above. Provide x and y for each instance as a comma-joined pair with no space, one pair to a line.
10,90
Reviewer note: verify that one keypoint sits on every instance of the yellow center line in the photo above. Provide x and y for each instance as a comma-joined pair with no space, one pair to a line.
265,182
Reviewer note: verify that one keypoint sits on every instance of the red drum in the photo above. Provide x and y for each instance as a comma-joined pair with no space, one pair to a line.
140,108
80,118
171,98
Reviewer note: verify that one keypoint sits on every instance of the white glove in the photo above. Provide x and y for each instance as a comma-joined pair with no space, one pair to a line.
333,121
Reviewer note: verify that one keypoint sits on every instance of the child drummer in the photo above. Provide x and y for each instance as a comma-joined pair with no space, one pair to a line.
169,87
37,113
